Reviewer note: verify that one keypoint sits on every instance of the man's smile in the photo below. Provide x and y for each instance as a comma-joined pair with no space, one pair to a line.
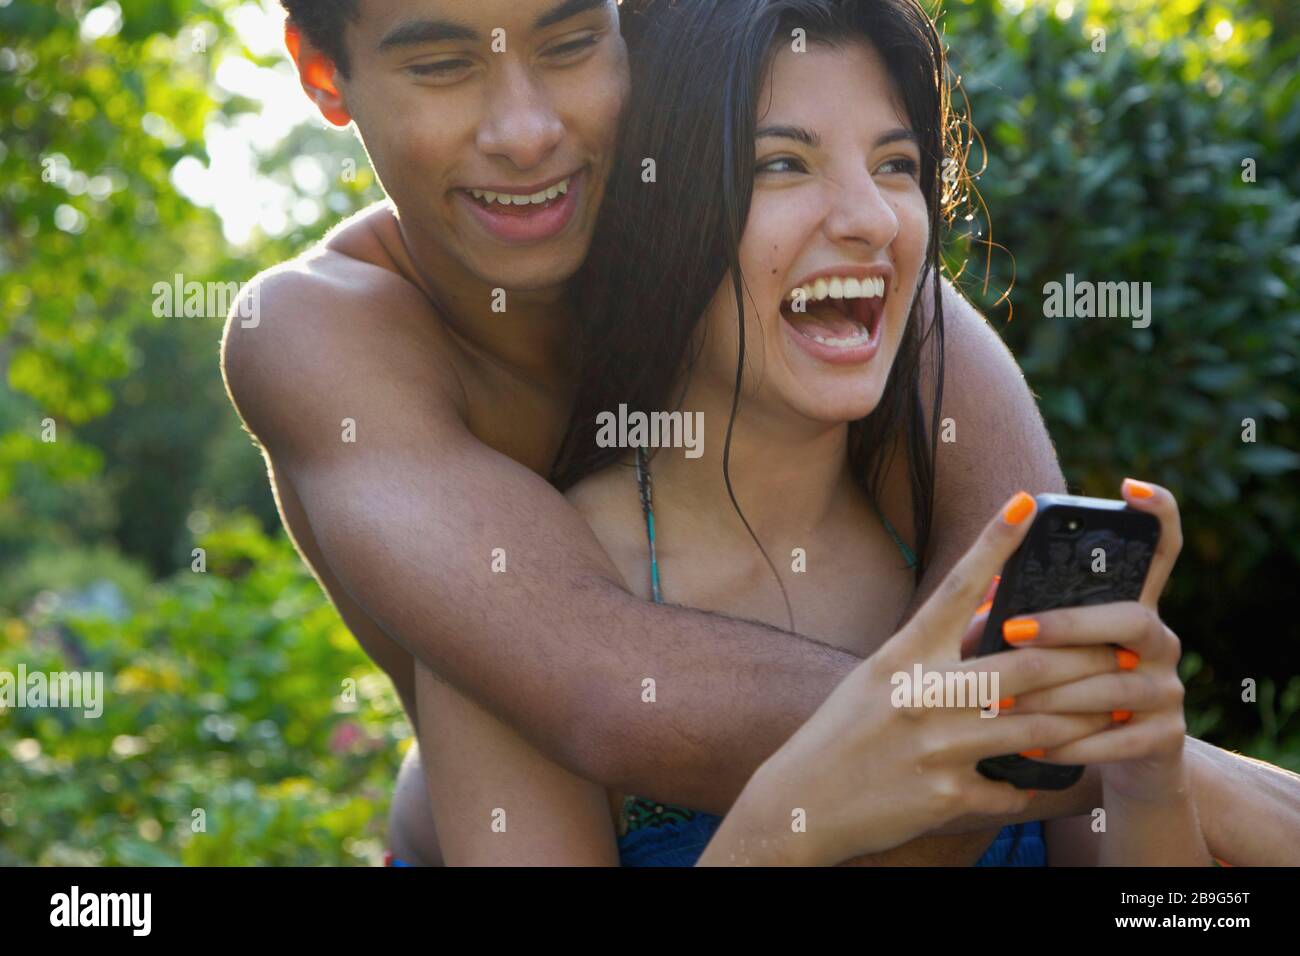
526,213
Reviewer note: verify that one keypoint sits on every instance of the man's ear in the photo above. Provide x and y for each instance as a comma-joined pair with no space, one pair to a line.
316,71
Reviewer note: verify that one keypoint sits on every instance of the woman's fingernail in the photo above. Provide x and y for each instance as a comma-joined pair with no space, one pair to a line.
1036,752
1138,489
1019,508
1120,716
1006,703
1019,629
983,608
1128,660
1031,792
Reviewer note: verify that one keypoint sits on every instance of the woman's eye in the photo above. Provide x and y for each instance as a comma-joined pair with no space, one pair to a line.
784,164
903,164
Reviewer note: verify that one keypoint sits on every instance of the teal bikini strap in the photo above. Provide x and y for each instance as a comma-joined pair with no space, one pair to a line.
648,509
908,556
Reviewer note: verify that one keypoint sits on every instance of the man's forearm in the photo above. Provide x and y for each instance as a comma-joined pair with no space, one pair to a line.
726,694
1249,810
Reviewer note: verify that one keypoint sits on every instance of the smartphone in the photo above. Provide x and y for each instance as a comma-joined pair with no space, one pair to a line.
1078,552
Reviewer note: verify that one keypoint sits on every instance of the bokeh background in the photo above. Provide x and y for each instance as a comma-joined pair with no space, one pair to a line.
144,138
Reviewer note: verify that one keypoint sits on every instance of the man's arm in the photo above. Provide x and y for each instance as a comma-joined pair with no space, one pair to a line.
408,517
1249,809
1001,444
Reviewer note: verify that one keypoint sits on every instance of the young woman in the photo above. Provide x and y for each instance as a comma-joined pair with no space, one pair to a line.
768,276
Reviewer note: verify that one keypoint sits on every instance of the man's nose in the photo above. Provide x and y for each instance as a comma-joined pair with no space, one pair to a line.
521,124
860,212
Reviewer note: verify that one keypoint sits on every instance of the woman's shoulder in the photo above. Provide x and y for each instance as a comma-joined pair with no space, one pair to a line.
606,496
611,504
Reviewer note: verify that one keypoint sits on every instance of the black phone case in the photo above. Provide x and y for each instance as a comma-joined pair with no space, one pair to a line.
1053,568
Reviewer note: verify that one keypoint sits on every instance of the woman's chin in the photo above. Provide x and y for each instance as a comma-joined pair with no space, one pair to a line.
839,410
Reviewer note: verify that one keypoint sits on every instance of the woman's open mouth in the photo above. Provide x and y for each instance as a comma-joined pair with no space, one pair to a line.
525,215
837,319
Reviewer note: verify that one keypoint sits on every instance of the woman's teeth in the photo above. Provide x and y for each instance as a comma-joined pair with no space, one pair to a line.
838,287
512,199
848,342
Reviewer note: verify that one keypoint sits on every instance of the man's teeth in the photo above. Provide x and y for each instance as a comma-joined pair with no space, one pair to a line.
514,199
838,287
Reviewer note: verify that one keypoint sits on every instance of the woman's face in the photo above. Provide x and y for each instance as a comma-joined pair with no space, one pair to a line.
835,241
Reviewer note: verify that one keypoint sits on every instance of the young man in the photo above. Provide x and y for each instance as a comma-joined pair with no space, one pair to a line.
408,383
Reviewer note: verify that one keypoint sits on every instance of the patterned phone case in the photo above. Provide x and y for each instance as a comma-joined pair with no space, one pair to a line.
1104,559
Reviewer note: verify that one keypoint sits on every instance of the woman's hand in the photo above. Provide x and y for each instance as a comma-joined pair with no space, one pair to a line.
1146,784
863,774
1141,757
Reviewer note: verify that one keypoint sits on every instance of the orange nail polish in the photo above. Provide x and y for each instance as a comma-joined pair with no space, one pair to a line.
1128,660
1006,703
984,608
1120,716
1031,792
1139,489
1019,629
1019,508
1036,752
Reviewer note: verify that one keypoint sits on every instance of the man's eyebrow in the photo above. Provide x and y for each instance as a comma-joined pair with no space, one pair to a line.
796,133
416,31
567,10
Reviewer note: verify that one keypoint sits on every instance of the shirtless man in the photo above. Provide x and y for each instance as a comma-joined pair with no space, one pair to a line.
438,325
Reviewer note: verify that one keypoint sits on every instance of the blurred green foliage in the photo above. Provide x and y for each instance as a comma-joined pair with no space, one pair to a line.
227,685
243,725
1127,166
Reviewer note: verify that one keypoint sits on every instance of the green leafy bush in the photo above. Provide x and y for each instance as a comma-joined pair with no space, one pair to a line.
224,693
1126,166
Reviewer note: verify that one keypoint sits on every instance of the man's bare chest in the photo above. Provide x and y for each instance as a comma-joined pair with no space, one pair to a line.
520,420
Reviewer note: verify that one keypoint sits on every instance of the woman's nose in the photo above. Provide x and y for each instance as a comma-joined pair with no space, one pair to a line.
860,212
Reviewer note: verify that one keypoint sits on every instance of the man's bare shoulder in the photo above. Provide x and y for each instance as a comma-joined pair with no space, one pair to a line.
993,440
338,317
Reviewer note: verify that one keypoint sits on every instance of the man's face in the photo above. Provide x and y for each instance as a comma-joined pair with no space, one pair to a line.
492,126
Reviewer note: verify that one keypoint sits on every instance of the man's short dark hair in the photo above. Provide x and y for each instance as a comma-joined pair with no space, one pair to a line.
323,22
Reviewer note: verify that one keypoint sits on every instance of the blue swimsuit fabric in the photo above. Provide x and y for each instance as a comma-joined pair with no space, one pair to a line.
681,844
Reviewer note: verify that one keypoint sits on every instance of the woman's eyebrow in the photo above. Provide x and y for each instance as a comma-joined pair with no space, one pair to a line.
796,133
809,138
897,135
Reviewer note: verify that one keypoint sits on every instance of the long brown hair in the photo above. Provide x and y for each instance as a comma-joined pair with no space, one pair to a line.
661,249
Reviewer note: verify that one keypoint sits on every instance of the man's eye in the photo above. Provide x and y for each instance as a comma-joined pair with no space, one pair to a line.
440,68
573,47
784,164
